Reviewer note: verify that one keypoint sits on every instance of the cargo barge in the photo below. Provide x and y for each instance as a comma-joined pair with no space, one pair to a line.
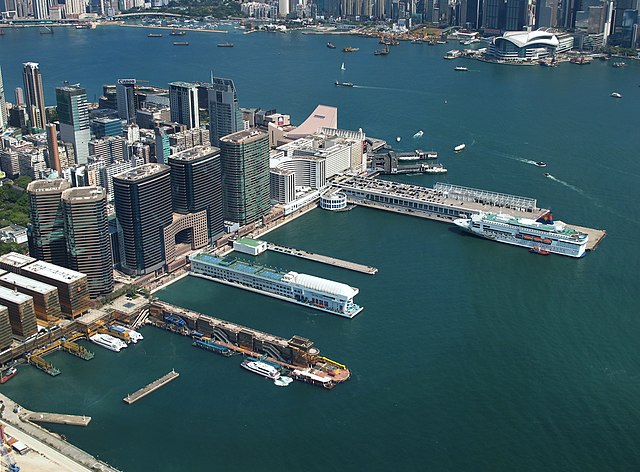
313,292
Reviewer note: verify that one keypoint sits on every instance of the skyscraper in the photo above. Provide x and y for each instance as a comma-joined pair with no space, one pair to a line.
196,184
245,176
52,148
40,9
88,243
126,99
225,116
34,96
183,100
73,114
142,199
3,106
46,227
19,95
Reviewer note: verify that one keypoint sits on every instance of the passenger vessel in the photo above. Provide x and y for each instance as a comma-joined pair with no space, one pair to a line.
8,374
459,147
109,342
460,69
225,45
547,234
344,84
261,368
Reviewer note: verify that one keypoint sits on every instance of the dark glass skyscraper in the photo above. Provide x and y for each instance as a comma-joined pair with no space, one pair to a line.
46,229
142,199
196,184
225,116
34,95
87,236
126,99
245,176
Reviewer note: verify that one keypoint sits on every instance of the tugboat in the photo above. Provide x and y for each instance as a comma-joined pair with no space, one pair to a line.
331,45
539,250
8,374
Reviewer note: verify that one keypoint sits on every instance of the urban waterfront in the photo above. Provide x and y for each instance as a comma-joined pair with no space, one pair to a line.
469,355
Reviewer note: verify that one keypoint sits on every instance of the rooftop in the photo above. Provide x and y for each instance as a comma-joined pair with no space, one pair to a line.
25,282
243,136
15,259
54,272
250,242
182,84
6,294
53,185
142,172
195,153
84,193
322,117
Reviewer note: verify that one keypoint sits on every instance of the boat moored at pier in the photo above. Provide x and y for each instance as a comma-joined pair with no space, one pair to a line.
545,233
261,368
107,341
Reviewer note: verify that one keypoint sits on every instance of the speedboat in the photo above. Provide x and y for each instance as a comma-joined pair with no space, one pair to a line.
344,84
419,134
547,174
541,164
459,147
331,46
615,95
398,138
261,368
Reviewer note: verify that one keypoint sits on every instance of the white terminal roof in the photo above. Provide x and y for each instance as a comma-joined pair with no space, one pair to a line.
323,285
13,296
16,259
528,38
27,283
54,272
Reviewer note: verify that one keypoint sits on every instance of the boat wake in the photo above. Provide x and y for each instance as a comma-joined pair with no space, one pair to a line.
283,381
567,184
516,158
391,89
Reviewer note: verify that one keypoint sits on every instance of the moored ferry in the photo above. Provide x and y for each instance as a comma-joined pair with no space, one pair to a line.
549,235
8,374
261,368
109,342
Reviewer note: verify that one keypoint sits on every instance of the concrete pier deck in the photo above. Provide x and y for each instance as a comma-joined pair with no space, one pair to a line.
323,259
57,418
152,387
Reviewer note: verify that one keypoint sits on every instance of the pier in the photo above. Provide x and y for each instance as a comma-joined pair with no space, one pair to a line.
323,259
152,387
444,202
57,418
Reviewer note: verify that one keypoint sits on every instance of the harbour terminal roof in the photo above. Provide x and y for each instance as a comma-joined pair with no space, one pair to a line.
527,39
323,285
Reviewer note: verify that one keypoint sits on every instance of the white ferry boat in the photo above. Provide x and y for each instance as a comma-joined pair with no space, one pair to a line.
261,368
104,340
459,147
549,235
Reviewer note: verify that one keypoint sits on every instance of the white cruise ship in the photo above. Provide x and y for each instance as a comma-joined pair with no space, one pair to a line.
107,341
544,233
261,368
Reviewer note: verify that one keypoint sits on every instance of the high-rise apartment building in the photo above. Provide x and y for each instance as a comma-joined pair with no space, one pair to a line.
6,337
3,106
142,199
73,114
196,184
225,116
183,101
46,227
34,95
40,9
245,176
126,99
22,316
88,243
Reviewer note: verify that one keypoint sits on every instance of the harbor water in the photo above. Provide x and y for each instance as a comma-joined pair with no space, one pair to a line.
469,355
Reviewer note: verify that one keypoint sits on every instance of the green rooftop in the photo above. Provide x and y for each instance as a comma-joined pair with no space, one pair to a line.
250,242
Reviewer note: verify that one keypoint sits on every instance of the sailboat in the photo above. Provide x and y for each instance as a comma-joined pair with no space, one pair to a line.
342,67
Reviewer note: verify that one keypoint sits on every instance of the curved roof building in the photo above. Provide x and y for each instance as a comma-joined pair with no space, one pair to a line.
324,285
524,45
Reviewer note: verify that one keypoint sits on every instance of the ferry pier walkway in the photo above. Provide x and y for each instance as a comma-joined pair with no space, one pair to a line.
323,259
152,387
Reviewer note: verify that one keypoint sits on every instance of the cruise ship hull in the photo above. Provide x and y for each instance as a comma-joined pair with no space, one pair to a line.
516,238
279,297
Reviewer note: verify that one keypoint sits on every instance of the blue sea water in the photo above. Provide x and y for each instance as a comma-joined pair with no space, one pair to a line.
469,355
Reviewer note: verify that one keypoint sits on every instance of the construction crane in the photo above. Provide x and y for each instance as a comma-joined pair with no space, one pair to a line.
6,454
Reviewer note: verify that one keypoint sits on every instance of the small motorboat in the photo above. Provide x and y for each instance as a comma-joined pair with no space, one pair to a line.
419,134
615,95
539,250
541,164
459,147
547,174
398,138
331,45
